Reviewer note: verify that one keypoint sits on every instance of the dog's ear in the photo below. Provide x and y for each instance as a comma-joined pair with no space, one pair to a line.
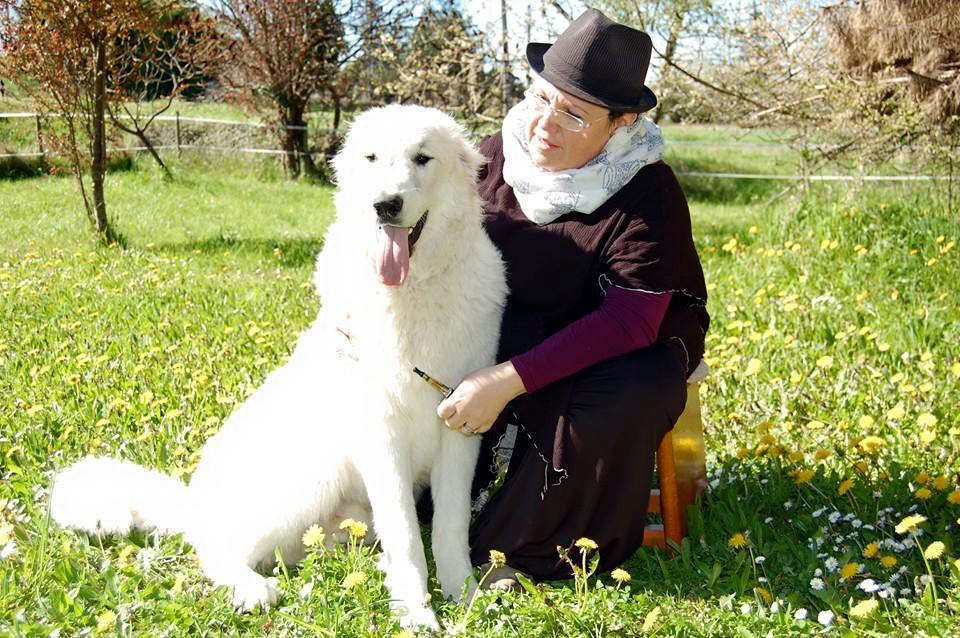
471,157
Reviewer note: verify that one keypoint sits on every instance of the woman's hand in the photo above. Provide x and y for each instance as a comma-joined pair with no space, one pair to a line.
480,397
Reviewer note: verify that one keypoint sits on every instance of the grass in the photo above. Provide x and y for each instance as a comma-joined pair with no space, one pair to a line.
835,355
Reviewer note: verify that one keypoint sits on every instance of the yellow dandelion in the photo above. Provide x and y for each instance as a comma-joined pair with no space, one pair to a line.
620,575
651,619
737,541
883,346
955,369
795,377
934,550
822,454
816,425
357,529
353,579
796,457
923,493
909,522
897,412
849,570
926,420
922,478
106,621
314,536
954,497
862,466
871,444
753,367
927,436
497,558
845,486
888,562
866,421
864,608
825,362
803,476
586,544
764,593
871,550
404,633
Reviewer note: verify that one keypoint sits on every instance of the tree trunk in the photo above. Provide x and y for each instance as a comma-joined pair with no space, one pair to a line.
98,165
668,54
335,96
295,141
505,62
142,136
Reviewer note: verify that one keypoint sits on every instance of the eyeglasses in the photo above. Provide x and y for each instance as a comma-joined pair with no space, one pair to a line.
567,121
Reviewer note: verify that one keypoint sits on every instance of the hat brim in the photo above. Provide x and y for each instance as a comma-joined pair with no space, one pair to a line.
535,51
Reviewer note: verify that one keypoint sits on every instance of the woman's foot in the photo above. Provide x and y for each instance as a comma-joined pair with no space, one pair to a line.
501,578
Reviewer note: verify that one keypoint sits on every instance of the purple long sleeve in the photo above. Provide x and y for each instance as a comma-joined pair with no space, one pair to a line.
626,320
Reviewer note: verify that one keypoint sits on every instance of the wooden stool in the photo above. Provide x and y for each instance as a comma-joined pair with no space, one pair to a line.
681,469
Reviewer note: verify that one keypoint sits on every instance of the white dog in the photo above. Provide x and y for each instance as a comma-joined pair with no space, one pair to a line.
332,435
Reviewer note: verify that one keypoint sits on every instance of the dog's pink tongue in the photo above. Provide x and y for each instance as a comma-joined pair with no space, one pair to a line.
394,256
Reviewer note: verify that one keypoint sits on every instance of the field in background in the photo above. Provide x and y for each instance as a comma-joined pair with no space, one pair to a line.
210,131
830,411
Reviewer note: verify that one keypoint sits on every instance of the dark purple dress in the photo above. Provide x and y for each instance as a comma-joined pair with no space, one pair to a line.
583,460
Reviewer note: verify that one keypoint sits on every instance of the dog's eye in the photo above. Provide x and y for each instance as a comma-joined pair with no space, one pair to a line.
421,159
372,157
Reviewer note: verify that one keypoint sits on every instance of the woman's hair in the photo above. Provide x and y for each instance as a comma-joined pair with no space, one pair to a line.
615,114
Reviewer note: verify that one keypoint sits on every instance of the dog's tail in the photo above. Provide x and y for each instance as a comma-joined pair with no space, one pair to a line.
103,496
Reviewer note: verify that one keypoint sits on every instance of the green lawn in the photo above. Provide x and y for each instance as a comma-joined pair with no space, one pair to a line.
830,411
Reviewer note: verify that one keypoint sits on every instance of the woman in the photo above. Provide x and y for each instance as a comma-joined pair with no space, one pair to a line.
606,315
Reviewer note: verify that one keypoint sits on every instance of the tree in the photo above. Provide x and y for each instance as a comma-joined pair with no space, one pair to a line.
442,62
155,67
668,19
62,53
901,59
282,53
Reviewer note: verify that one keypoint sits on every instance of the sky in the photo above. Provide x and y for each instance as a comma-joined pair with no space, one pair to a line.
545,24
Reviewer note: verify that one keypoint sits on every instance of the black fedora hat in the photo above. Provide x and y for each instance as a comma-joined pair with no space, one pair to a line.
598,60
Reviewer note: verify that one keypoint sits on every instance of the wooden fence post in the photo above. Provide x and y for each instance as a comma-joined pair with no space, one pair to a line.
40,138
179,150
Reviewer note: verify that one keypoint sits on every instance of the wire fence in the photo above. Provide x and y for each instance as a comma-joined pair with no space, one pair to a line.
184,139
213,134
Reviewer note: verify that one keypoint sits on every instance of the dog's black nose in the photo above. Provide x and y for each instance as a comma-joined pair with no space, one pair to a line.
388,209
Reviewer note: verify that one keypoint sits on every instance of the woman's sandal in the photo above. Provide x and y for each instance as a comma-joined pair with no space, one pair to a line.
500,579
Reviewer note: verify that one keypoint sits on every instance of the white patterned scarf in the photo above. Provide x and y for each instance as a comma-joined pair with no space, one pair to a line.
545,195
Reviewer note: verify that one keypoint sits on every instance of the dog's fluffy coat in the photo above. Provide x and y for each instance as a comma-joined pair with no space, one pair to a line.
331,435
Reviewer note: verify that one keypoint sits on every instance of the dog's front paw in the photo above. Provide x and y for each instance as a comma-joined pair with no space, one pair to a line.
453,581
463,592
255,591
418,618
